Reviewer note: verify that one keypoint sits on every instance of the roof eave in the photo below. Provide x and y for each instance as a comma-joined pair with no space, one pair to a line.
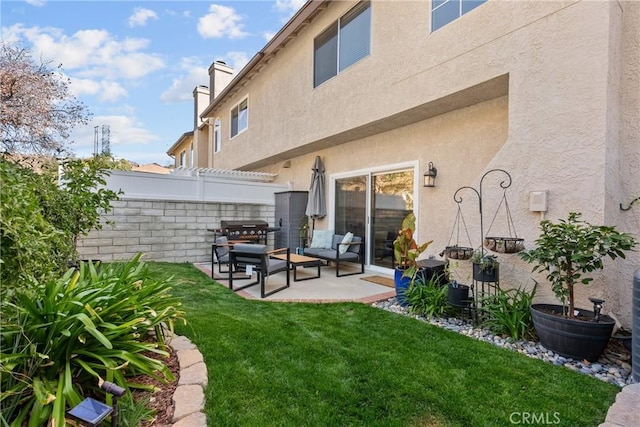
297,21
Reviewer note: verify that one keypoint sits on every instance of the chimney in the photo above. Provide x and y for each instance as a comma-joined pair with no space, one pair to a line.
200,103
220,75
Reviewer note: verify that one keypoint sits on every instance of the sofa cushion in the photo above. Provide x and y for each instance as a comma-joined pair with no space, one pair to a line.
321,239
355,248
337,238
343,244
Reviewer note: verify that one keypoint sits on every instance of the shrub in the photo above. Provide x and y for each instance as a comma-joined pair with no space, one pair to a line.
32,247
40,221
427,298
508,312
71,332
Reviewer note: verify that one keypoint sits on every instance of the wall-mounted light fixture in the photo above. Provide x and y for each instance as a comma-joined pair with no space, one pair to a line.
430,176
286,164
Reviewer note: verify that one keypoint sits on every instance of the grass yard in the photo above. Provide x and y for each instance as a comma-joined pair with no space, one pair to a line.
349,364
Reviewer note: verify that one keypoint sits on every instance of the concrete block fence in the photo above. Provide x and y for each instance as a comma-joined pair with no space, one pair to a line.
171,231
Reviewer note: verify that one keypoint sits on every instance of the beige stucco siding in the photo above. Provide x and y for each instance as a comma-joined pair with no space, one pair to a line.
549,91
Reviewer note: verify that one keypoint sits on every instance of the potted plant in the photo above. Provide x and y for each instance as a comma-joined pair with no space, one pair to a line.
567,251
406,252
485,266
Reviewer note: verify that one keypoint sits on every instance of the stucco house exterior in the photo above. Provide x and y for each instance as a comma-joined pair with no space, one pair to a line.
547,91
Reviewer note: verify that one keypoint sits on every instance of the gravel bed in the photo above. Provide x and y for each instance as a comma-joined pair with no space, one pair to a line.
611,367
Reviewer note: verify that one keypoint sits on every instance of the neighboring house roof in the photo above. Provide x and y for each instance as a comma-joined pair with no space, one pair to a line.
300,20
152,168
180,140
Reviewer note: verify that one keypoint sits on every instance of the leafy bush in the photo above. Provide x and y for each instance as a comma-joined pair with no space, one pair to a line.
75,206
70,332
32,247
40,220
508,312
427,298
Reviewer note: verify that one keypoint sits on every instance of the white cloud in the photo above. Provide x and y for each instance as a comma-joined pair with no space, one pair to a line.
289,6
141,16
221,21
105,90
182,87
90,53
268,35
124,132
237,60
36,3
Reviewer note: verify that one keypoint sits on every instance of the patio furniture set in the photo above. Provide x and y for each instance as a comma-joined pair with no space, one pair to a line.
243,258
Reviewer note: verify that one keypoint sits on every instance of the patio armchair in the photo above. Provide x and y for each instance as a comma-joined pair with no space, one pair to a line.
250,258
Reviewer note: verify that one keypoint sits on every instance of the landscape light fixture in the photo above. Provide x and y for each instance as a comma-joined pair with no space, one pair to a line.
91,412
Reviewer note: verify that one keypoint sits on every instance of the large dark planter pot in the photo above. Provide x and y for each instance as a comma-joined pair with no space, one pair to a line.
458,295
402,284
485,275
575,338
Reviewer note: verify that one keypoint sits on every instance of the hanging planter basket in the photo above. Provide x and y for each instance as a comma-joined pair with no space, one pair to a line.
455,251
504,245
458,252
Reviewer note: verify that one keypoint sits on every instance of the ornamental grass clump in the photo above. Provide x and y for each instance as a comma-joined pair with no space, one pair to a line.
59,339
571,248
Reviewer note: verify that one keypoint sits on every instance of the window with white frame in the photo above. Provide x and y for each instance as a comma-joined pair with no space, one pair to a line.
240,117
183,158
216,136
344,43
446,11
191,156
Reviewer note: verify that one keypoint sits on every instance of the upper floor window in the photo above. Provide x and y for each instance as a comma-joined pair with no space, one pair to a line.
192,157
216,136
344,43
240,117
183,158
445,11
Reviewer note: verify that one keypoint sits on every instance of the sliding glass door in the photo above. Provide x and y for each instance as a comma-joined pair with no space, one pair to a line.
373,205
391,201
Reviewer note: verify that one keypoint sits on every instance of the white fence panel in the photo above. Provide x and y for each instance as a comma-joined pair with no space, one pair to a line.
150,186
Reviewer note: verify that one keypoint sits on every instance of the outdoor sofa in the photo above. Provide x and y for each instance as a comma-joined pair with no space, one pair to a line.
337,248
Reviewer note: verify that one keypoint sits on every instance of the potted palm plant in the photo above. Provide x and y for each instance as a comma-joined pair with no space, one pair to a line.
567,251
406,252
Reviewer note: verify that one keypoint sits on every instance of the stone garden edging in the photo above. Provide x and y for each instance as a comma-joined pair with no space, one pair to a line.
188,398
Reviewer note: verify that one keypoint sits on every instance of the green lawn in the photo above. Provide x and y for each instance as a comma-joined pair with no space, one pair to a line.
349,364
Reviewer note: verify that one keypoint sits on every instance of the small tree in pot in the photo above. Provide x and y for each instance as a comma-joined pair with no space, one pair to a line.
566,251
570,248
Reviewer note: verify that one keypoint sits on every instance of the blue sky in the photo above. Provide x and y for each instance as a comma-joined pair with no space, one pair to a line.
135,63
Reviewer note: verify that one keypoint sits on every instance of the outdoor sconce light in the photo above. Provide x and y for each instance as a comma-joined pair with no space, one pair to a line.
430,176
90,412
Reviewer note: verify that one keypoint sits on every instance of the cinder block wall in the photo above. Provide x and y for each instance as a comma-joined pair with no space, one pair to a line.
165,230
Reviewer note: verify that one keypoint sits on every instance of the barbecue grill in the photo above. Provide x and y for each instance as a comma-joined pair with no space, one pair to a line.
252,230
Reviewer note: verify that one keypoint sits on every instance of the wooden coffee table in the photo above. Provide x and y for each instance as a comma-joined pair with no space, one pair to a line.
301,261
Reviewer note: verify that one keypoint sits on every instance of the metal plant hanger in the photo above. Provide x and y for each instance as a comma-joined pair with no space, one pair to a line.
504,244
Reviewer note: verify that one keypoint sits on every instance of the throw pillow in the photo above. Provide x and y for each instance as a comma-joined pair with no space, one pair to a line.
321,239
346,239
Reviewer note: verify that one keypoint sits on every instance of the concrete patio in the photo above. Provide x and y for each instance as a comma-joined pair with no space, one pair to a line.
327,288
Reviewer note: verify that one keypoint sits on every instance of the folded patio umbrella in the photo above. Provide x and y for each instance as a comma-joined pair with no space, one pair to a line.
316,204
